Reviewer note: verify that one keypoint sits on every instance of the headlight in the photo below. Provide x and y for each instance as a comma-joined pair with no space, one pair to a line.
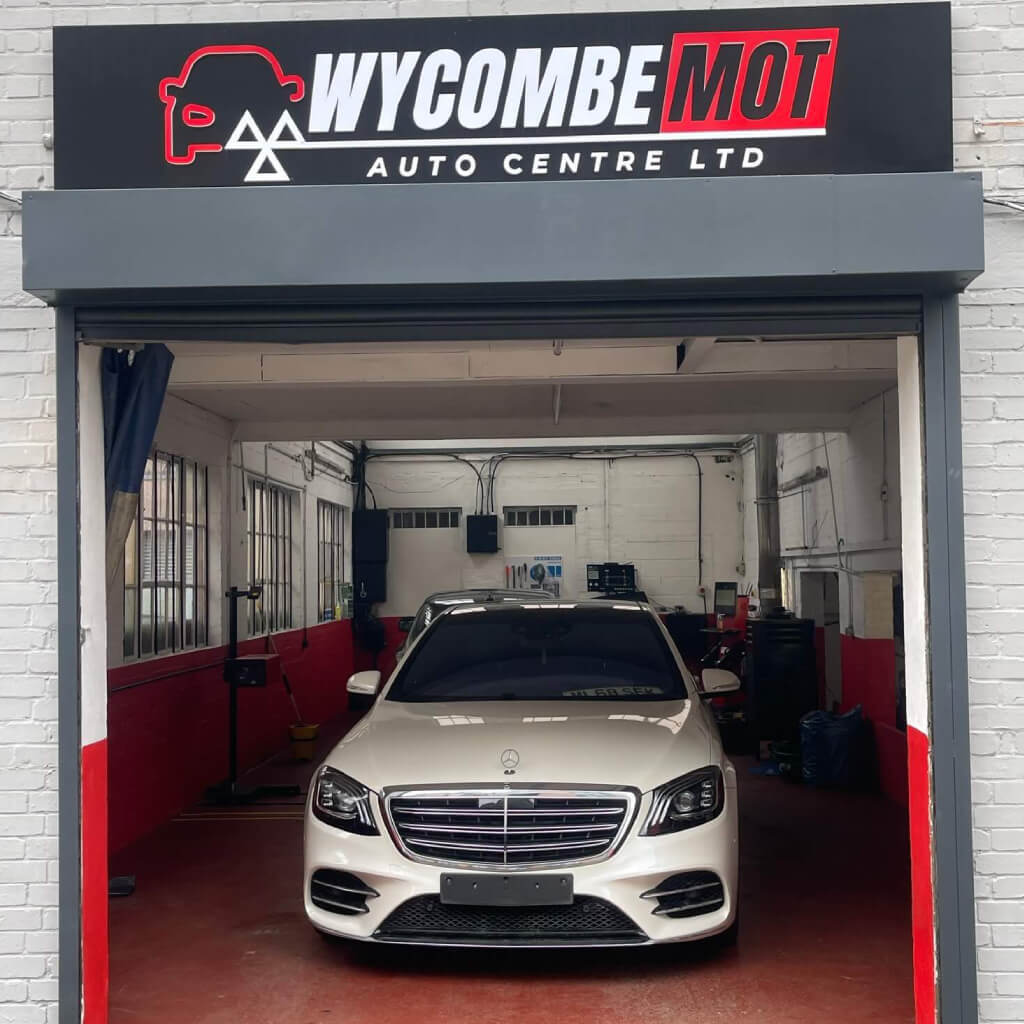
343,802
684,802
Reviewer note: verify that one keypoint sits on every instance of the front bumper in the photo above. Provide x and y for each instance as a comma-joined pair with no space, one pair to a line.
640,864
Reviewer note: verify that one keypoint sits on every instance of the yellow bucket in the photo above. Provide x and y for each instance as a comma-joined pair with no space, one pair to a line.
303,739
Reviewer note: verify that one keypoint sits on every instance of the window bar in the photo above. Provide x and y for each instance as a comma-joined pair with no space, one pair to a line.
138,580
137,645
275,556
187,471
174,512
206,589
268,567
152,541
289,597
156,556
275,546
252,555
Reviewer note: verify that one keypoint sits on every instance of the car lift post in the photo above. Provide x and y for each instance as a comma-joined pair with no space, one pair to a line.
229,791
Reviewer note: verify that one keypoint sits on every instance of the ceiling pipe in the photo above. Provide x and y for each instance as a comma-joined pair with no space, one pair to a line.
769,559
567,449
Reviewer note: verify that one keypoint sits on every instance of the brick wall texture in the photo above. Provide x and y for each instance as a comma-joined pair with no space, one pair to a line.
988,88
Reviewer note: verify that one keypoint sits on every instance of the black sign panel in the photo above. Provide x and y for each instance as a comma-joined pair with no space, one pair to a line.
823,90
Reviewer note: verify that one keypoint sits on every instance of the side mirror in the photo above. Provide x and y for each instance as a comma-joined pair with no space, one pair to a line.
364,684
405,623
718,681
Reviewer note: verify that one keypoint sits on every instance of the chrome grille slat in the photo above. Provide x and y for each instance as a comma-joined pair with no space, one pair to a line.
511,828
344,908
346,888
440,844
690,908
513,812
656,894
574,844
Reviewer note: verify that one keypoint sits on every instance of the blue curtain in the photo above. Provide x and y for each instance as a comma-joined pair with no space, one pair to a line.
133,386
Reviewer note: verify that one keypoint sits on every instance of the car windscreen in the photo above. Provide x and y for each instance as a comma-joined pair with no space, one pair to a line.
515,654
423,618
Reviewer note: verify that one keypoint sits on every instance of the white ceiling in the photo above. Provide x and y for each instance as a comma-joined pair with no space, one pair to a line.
616,388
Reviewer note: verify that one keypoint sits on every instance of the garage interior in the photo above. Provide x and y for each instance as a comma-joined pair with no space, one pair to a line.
625,451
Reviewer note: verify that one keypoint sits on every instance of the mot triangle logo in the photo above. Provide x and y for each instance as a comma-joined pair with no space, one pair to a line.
267,165
285,124
238,140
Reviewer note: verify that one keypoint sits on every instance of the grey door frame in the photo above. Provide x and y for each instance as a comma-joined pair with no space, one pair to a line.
944,526
955,948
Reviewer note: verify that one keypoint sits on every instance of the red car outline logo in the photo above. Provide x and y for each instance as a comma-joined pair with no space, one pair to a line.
195,115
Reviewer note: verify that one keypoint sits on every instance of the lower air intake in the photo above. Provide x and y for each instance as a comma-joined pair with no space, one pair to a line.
587,921
688,895
339,892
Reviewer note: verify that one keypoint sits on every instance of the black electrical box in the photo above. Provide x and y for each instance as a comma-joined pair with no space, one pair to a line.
250,670
611,578
481,535
370,535
370,582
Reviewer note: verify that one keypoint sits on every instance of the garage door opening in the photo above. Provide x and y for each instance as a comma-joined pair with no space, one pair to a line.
602,459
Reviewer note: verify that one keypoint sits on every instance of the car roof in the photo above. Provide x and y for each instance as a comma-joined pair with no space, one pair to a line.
481,595
529,606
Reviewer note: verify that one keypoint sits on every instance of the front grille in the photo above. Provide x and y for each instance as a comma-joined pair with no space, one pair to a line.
587,921
509,828
687,895
339,892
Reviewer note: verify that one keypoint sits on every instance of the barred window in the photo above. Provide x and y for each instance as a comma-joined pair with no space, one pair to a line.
166,594
425,518
271,509
330,547
540,515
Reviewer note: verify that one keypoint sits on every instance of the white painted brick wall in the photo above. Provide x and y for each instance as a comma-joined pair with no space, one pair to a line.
988,83
861,460
642,511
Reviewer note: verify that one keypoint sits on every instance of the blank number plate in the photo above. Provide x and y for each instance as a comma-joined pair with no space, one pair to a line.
494,890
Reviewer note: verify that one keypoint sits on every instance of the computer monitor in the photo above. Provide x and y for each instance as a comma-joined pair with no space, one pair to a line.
725,598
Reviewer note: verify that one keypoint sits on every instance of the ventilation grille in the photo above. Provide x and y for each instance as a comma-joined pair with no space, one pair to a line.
586,921
507,827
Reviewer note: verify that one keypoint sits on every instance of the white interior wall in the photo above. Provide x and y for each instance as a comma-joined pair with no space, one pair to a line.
187,430
629,509
863,466
287,463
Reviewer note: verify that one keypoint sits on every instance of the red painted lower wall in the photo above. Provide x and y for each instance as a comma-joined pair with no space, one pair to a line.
95,975
168,730
869,679
922,893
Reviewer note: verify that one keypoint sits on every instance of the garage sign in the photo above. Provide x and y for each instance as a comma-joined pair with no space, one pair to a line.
833,90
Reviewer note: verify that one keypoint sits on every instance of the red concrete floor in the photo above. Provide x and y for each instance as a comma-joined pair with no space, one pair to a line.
215,934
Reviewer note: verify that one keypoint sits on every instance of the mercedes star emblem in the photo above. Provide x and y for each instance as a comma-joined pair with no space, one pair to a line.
509,760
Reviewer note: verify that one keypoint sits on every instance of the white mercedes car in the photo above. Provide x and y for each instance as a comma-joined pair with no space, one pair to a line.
531,775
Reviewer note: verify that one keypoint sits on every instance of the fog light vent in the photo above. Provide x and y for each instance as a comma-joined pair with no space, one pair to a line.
339,892
687,895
